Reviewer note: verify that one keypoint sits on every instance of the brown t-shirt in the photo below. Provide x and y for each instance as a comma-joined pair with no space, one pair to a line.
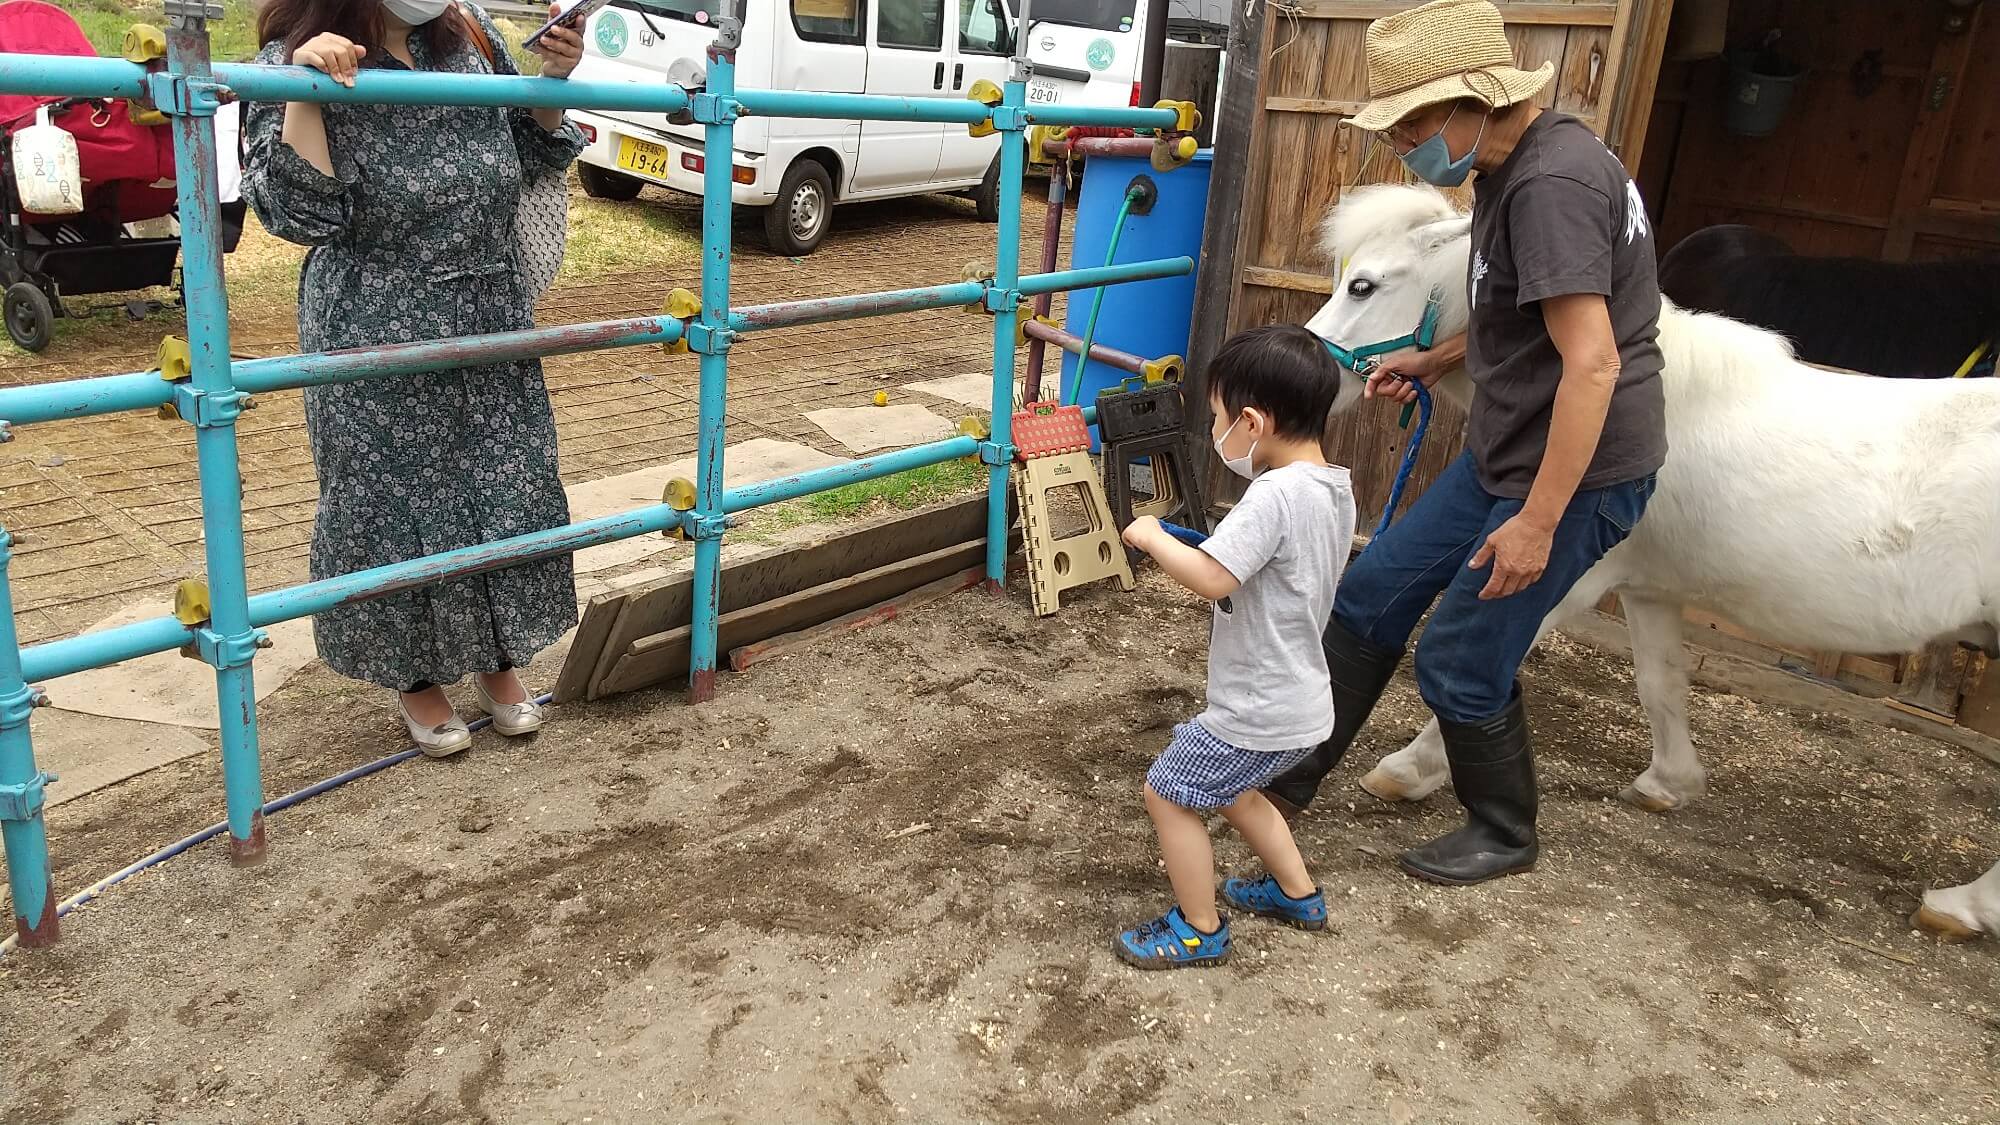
1559,217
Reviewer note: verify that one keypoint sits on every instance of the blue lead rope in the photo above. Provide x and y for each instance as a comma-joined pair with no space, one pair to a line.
1186,535
1410,452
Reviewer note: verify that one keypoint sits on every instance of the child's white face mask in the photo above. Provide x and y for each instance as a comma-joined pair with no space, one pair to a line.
1243,466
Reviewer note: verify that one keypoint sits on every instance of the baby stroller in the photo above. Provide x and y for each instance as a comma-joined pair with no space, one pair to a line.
126,238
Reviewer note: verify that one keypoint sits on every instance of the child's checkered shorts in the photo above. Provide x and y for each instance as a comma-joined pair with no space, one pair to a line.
1201,772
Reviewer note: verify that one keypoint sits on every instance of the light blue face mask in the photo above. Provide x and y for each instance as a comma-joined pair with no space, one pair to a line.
1431,160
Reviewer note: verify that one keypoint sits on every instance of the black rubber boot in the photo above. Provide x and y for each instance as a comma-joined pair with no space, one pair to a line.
1359,672
1493,772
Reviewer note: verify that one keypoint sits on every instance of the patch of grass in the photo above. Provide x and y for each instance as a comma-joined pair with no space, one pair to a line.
231,39
609,237
912,488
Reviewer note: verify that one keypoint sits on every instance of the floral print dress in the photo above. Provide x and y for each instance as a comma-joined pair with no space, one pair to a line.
413,239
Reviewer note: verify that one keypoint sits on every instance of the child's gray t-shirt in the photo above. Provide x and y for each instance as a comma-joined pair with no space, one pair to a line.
1287,543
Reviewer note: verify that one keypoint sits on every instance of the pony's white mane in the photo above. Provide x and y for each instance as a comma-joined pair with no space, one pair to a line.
1376,210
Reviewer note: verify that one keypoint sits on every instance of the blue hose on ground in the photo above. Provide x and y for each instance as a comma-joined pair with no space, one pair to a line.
1132,195
1410,452
212,831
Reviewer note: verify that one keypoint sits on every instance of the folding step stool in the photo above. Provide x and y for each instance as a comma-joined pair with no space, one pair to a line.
1144,423
1052,448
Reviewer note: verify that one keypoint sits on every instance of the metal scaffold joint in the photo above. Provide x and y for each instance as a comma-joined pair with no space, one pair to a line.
1012,118
206,409
706,525
15,706
714,109
192,14
218,651
1000,300
24,801
180,96
704,339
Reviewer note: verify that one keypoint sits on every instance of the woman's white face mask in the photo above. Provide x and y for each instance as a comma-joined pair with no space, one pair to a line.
416,13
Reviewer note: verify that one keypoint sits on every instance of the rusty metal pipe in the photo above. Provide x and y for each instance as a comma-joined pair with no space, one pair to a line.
1073,344
1051,249
1141,147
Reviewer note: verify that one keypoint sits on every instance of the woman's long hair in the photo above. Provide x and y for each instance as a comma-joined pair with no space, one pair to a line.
295,21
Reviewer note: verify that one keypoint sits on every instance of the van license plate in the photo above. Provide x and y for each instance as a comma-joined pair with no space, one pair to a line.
643,157
1044,93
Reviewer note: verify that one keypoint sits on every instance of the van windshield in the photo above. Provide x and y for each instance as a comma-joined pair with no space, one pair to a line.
1102,15
688,11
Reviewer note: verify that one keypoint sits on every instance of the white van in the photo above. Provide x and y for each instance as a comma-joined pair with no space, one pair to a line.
1090,52
795,170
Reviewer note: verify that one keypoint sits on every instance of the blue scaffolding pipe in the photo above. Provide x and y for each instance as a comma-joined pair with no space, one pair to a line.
145,390
110,394
853,472
253,83
189,90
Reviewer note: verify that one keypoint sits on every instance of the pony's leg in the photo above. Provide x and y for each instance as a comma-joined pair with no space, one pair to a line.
1660,665
1412,773
1963,913
1420,768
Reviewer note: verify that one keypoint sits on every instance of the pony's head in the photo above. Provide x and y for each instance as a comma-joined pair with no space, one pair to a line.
1399,254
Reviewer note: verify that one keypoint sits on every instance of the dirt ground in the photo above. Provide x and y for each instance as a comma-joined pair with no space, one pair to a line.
877,881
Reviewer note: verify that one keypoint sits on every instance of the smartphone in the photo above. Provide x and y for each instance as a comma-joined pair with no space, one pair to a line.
571,17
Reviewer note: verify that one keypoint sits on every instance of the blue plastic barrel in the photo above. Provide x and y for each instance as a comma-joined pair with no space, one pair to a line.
1146,318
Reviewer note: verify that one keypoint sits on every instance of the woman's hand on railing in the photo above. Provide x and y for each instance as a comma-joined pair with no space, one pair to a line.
339,58
561,49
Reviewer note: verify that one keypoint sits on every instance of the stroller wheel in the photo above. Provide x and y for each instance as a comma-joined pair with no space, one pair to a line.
31,319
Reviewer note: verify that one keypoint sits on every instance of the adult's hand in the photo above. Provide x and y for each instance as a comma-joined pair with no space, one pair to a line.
1396,375
1518,552
561,49
335,56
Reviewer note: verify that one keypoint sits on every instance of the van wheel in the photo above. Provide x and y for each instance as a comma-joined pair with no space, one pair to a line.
796,223
31,319
599,183
986,197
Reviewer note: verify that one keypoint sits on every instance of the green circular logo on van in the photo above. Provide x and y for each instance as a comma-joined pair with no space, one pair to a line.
611,35
1100,54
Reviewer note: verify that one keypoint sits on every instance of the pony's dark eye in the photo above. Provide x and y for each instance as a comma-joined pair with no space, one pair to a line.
1360,288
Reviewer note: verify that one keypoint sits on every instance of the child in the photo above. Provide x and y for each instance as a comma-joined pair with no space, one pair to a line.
1271,566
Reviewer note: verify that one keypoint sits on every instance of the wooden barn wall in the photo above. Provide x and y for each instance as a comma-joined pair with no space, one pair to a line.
1300,155
1906,168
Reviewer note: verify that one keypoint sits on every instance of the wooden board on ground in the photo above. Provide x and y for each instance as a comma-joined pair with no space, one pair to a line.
638,637
742,657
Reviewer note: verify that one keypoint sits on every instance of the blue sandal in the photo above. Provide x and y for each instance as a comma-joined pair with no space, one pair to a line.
1169,942
1264,897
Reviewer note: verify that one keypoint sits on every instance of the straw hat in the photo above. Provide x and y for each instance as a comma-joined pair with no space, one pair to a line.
1444,50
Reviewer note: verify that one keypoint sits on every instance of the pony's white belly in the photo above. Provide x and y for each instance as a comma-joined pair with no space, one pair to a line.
1810,542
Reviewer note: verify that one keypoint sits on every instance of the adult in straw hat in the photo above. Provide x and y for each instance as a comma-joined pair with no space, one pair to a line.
1566,430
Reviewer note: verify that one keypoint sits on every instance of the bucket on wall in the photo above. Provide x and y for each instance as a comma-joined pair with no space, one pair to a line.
1760,91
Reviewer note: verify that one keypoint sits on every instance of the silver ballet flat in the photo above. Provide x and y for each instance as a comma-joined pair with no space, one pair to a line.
510,719
440,741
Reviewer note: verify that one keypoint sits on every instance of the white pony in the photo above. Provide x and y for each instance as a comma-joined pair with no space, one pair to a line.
1825,510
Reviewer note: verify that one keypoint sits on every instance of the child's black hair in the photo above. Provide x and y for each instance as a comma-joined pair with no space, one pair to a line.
1282,370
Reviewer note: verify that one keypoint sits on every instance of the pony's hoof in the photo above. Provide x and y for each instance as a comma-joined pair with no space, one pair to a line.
1379,784
1943,926
1640,799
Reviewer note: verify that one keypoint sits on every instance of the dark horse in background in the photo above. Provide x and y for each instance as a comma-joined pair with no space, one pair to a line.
1914,320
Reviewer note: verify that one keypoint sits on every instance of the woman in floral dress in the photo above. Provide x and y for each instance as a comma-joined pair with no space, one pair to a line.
409,211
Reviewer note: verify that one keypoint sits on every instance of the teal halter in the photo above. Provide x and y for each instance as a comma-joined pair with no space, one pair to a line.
1361,360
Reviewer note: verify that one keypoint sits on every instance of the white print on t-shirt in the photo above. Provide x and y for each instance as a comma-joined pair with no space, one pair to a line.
1636,226
1478,273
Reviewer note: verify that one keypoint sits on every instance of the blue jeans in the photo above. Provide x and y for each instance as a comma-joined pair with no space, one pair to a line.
1471,650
